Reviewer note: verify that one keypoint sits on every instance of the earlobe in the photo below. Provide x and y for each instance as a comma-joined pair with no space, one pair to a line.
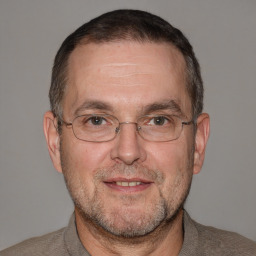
52,139
202,135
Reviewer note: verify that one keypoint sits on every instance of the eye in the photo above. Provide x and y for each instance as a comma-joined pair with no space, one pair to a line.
158,120
96,120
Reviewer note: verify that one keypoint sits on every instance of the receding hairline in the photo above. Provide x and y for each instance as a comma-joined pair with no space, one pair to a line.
127,25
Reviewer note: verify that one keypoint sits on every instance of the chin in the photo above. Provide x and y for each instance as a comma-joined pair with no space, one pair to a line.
126,221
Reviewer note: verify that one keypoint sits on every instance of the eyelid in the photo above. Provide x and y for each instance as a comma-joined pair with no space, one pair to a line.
99,116
101,113
108,118
163,115
163,112
93,112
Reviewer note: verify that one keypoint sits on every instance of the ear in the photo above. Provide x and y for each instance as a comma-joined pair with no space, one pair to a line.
53,139
202,135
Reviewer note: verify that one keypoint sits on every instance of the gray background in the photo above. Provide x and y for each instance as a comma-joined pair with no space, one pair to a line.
33,197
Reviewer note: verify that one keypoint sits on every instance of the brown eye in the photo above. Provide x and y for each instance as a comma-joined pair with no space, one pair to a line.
96,120
158,120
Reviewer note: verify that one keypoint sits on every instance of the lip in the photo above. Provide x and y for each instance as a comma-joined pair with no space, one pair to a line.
117,179
112,184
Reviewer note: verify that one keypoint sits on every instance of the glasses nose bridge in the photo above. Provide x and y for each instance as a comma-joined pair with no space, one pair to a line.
127,122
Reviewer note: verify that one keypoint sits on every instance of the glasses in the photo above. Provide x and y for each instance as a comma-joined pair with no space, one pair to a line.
102,128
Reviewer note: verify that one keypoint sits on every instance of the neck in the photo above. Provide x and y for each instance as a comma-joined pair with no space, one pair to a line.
165,240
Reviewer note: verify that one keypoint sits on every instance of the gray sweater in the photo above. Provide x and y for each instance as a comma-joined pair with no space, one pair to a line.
199,240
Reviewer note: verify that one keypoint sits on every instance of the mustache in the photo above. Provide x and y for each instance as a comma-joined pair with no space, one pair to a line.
129,171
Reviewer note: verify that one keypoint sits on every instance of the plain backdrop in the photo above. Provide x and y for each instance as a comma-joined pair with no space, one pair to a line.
33,196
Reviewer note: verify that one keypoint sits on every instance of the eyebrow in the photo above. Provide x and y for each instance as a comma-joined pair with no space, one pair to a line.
168,105
95,105
153,107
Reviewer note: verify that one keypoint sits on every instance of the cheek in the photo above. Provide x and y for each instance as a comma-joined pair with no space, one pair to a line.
80,160
173,159
85,157
168,157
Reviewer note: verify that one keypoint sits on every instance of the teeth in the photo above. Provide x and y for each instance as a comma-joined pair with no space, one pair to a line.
128,184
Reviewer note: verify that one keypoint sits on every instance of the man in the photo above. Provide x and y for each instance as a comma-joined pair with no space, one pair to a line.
127,131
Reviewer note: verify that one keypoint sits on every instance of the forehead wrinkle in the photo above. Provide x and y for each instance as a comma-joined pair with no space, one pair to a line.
121,64
116,71
127,69
119,70
118,75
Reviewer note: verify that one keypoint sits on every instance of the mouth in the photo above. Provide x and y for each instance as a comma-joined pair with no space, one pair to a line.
124,185
128,184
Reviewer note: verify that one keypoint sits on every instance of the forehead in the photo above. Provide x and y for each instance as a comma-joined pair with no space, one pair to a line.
121,55
125,72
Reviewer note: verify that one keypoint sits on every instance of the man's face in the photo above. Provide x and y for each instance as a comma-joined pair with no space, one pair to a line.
127,80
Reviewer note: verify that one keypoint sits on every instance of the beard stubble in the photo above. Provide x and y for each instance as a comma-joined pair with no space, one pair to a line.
126,222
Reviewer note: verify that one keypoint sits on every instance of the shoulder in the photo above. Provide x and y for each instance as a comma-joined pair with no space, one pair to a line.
49,244
200,240
223,242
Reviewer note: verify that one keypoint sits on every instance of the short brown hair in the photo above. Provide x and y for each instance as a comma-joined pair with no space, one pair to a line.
126,25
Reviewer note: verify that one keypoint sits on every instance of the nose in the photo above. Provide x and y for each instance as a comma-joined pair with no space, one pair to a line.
128,145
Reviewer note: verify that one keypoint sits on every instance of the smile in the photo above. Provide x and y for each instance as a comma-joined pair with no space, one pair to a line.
128,184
